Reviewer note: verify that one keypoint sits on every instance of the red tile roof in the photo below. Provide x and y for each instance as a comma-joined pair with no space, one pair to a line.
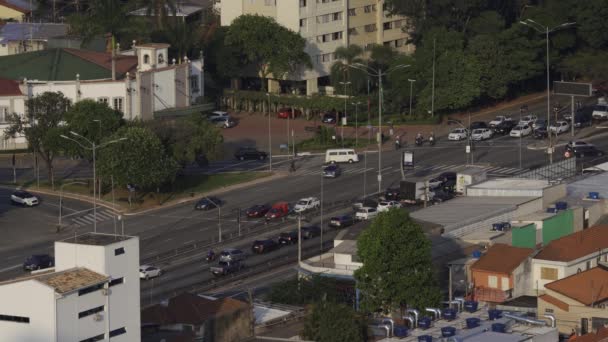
16,8
188,308
587,287
9,88
124,64
502,258
552,300
576,245
601,335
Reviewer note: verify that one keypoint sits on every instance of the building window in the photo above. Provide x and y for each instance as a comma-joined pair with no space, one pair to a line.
94,338
302,3
397,23
117,332
399,42
369,8
549,310
3,114
337,35
119,251
104,100
353,31
16,319
146,59
161,58
90,289
588,265
303,22
493,282
118,101
387,26
194,83
90,312
116,281
370,28
336,16
352,12
548,273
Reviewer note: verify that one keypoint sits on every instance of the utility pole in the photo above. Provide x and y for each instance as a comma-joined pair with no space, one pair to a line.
300,239
433,87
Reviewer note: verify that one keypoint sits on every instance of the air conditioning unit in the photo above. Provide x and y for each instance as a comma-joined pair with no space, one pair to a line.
98,317
106,292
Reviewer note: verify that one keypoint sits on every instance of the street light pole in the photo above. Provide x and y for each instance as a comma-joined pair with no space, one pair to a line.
61,199
269,137
356,104
322,181
342,123
411,88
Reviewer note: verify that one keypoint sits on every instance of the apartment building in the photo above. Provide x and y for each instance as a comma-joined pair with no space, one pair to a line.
326,25
92,294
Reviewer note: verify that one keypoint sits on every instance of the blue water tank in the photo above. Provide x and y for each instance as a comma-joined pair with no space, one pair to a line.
494,314
472,322
448,331
476,254
499,327
551,210
400,331
594,195
424,322
470,305
561,205
425,338
449,314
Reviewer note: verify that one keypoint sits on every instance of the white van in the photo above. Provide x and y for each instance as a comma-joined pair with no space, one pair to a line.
341,155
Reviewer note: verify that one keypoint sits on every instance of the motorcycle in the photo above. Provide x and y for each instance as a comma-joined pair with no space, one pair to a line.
432,140
210,257
419,141
397,145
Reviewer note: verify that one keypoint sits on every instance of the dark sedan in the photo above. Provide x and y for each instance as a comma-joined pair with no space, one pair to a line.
208,203
288,238
504,127
308,232
541,133
258,210
332,171
584,151
264,246
341,221
329,118
38,262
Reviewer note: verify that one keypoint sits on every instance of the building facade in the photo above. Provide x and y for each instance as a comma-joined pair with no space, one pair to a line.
326,25
92,294
12,100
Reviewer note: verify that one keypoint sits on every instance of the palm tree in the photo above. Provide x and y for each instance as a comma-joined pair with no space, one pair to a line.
180,36
161,10
341,72
101,17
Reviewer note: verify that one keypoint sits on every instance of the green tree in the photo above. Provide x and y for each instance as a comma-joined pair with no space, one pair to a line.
139,160
270,48
341,72
397,268
101,17
590,65
93,120
187,138
591,21
161,10
332,322
492,62
181,37
42,126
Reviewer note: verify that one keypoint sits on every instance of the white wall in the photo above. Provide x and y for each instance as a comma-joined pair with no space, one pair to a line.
196,69
164,89
28,299
229,12
14,104
564,269
72,328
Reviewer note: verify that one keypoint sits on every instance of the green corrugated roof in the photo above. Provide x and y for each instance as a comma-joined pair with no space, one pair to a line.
50,65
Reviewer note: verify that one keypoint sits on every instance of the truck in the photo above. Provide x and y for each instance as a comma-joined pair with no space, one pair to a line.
498,120
469,176
226,267
413,192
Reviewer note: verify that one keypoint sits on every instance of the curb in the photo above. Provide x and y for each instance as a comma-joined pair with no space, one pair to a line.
101,203
586,136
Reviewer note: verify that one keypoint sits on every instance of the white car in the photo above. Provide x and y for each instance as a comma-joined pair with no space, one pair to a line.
527,120
307,203
521,131
387,205
600,112
481,134
366,213
218,114
223,121
146,272
458,134
498,120
559,127
24,198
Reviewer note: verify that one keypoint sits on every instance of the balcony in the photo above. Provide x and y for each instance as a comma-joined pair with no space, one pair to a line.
326,264
485,294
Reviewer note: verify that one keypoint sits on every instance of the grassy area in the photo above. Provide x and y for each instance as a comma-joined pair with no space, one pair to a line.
184,187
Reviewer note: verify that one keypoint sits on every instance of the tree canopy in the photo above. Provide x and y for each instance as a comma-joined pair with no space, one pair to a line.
332,322
397,269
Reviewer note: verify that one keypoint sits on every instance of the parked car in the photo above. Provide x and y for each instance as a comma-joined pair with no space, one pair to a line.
583,117
458,134
477,124
264,246
232,254
24,198
387,205
584,151
559,127
309,232
258,210
208,203
442,180
527,120
366,213
392,194
341,221
481,134
541,133
540,123
572,144
249,153
499,120
520,131
278,210
600,112
226,267
442,196
38,262
366,202
223,122
307,203
332,171
288,238
285,113
218,114
146,272
329,118
504,127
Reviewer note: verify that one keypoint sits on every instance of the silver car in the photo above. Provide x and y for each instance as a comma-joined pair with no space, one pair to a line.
24,198
223,122
232,254
146,272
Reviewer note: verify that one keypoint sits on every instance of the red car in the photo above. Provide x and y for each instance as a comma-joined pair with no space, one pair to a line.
285,113
278,210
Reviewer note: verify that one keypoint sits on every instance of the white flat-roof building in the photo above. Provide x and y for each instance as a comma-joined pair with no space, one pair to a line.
91,295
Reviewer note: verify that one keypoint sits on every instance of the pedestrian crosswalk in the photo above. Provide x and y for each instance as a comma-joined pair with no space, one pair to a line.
89,218
497,171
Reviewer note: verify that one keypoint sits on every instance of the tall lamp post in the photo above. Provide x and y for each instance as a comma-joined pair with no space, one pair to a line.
378,73
356,104
411,88
342,123
269,137
546,30
93,147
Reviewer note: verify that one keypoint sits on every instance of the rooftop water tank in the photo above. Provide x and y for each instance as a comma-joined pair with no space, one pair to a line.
470,305
448,331
472,322
499,327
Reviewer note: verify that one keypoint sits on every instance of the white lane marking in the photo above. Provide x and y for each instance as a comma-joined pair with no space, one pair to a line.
189,242
10,268
80,221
